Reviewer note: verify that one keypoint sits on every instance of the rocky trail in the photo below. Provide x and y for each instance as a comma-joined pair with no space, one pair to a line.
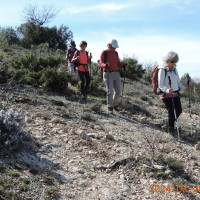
75,152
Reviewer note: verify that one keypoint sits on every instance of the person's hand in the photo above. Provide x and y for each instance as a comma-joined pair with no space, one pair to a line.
125,65
170,90
188,89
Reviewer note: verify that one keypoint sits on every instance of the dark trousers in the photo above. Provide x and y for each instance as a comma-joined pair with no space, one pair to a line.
169,106
85,81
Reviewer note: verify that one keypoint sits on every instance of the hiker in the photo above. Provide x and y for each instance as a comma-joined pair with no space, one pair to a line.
168,71
69,56
70,64
110,63
81,59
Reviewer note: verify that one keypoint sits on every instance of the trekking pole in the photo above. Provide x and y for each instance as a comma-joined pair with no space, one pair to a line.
90,63
170,84
107,65
188,83
123,82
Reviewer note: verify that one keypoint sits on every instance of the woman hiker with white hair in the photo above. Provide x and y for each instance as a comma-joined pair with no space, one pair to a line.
110,63
169,71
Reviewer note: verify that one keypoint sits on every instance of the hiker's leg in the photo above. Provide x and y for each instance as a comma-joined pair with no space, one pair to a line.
82,78
87,78
171,118
118,88
71,68
101,72
77,75
178,106
108,80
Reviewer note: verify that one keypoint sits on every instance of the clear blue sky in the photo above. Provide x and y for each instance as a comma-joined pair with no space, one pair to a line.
146,29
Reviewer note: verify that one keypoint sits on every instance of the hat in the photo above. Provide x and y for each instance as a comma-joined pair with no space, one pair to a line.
72,44
83,43
114,44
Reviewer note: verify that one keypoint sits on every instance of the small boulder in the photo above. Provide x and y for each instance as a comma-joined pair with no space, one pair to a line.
84,136
159,167
55,120
197,147
110,137
28,119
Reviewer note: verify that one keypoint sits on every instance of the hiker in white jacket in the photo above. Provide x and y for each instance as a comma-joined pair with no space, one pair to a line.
169,69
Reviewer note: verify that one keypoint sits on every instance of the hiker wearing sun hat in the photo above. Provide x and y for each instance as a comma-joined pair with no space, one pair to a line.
110,63
169,86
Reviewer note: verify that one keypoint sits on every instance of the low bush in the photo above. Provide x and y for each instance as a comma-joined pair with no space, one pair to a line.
96,107
56,81
36,70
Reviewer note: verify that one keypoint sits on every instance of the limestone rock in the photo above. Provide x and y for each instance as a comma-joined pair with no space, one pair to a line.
197,147
110,137
84,136
159,167
55,120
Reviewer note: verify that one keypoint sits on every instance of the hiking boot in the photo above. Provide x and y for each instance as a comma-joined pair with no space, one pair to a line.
116,108
84,97
164,128
172,132
110,110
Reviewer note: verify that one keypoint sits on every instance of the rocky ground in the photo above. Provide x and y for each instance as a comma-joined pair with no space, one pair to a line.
77,151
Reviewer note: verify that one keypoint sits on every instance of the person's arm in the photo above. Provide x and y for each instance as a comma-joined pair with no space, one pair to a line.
75,57
161,81
67,55
101,61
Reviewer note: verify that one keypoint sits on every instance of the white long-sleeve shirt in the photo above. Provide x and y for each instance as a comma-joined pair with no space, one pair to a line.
163,81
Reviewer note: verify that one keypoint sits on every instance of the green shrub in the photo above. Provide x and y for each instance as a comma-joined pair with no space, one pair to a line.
87,116
134,70
96,107
144,98
56,81
13,174
36,70
174,163
133,108
57,102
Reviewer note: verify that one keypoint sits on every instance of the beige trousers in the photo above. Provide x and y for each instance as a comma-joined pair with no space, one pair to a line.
113,84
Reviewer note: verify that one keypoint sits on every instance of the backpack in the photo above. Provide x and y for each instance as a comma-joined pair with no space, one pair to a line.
76,63
154,79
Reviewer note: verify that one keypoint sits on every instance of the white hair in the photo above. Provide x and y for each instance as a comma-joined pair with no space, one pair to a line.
171,56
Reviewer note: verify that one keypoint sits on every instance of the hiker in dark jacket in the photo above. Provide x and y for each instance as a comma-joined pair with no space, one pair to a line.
169,69
81,57
110,63
69,55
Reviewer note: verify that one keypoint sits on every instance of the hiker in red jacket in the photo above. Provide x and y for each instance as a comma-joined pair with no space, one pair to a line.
81,60
110,63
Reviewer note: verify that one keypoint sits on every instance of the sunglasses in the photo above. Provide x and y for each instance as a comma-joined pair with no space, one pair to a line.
173,61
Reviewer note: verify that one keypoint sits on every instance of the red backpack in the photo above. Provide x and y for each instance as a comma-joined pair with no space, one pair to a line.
154,79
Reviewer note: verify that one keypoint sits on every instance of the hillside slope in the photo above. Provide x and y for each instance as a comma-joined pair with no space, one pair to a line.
77,151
